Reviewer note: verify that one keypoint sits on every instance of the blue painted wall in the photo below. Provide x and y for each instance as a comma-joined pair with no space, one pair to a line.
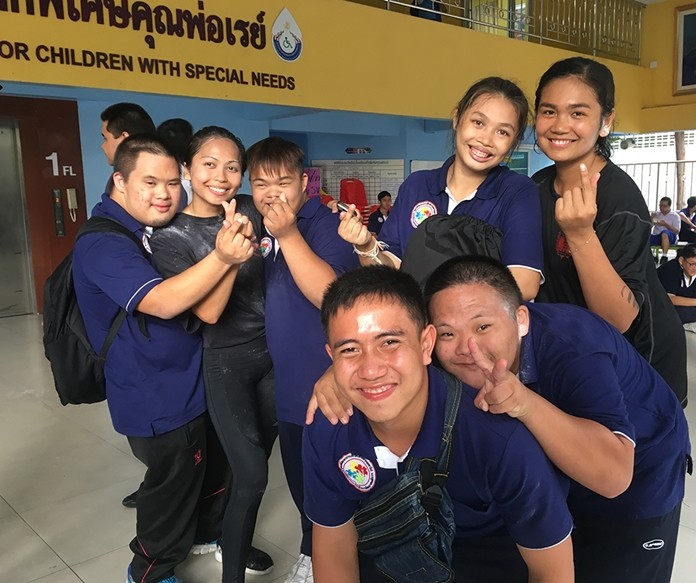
322,134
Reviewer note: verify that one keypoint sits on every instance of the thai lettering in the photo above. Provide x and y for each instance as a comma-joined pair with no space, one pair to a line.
119,16
150,18
258,32
142,13
85,10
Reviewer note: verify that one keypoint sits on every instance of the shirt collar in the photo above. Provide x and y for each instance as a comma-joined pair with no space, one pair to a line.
309,208
482,192
109,208
528,373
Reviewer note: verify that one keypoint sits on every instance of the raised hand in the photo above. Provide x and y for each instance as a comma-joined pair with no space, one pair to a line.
576,209
502,391
280,219
233,244
230,209
351,228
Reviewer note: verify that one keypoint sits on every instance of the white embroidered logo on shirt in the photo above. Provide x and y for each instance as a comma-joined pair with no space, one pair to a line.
654,545
422,211
359,471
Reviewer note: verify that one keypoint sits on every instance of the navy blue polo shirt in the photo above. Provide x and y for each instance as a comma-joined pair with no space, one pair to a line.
505,200
500,481
581,364
293,324
153,383
674,281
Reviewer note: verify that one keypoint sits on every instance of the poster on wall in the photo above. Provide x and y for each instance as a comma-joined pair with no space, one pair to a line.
685,50
376,175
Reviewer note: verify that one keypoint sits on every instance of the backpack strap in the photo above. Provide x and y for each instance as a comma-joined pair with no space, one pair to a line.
106,225
433,474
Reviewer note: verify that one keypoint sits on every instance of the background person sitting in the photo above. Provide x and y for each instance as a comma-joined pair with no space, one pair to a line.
678,277
687,216
666,227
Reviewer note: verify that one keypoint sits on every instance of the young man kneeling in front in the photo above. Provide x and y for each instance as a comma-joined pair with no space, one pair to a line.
506,495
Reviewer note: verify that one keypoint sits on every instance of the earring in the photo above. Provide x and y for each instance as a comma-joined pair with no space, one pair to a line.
604,132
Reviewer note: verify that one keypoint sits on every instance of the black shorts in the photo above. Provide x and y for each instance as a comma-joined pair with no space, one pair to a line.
635,551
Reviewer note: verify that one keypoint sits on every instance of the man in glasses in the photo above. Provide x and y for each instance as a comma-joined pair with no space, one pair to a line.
678,277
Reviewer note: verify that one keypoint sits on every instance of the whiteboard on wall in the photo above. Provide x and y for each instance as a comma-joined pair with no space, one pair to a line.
377,175
426,164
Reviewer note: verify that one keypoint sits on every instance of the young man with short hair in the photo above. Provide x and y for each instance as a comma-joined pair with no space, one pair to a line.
687,215
666,225
303,254
678,277
153,374
506,494
377,218
601,413
119,121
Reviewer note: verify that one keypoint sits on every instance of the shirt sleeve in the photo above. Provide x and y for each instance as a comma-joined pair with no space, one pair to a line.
118,268
530,493
521,225
588,387
397,230
675,221
324,502
624,238
328,245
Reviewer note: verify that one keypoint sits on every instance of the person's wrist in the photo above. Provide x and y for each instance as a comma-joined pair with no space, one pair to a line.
579,238
286,232
223,258
366,247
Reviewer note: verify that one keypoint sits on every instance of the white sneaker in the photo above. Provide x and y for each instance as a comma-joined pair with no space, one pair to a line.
690,327
301,571
204,548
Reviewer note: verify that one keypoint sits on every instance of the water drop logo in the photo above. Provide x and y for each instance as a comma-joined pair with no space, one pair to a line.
287,37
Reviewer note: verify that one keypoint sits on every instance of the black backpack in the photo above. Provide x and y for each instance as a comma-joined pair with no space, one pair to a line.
78,371
442,237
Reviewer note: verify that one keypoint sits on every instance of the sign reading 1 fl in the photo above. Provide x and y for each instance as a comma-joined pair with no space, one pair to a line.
67,170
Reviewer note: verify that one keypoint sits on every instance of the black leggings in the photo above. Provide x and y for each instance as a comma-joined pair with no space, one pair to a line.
239,386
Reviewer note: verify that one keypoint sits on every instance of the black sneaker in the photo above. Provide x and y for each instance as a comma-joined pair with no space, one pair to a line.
258,562
130,501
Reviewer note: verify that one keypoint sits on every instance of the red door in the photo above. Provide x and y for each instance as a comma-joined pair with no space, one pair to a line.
51,169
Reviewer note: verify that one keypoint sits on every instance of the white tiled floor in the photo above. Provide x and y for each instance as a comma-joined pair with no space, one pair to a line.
64,471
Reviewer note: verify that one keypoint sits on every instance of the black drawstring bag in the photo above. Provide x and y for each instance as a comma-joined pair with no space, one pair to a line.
407,527
442,237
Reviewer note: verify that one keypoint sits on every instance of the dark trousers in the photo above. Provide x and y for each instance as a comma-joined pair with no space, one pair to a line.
635,551
290,436
493,559
180,499
239,385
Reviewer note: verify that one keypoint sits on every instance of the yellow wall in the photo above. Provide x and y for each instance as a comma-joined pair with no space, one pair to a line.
662,109
354,58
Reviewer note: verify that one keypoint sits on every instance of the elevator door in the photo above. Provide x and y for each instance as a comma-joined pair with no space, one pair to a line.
16,287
